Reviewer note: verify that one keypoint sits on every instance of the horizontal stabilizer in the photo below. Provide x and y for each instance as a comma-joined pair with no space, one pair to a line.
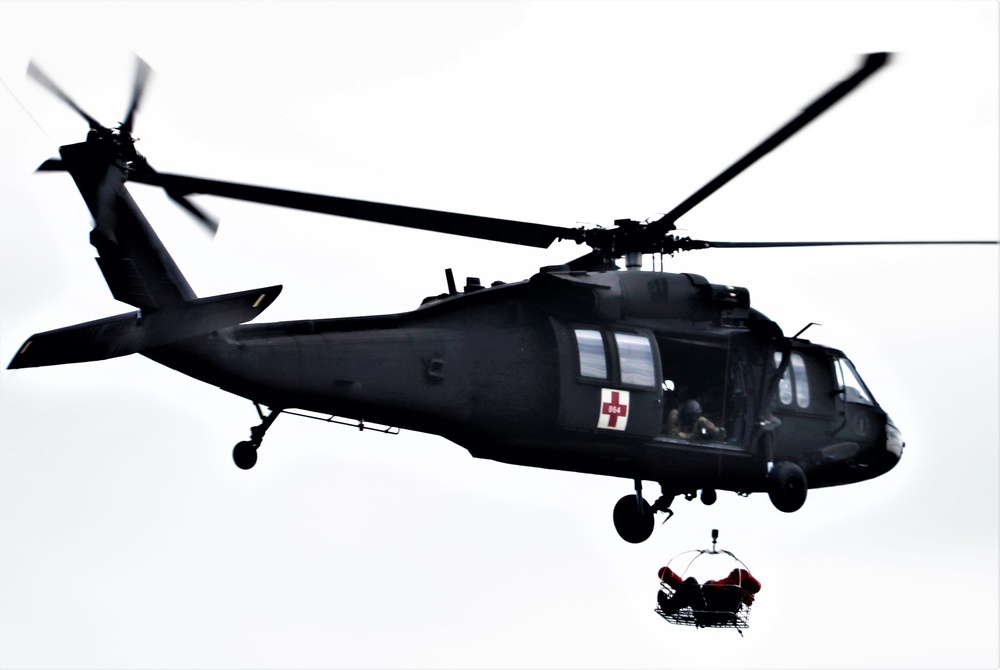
138,331
52,165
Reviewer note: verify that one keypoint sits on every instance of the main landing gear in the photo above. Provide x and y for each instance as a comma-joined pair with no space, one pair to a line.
245,453
634,516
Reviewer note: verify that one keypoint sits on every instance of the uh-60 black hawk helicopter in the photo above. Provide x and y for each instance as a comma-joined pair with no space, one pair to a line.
649,376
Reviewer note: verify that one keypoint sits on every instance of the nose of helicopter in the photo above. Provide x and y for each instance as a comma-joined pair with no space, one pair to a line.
893,439
879,459
886,459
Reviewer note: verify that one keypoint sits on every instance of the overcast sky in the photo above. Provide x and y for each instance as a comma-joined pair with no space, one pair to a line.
129,539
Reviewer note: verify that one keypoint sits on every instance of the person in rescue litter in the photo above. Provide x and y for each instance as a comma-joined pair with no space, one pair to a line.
715,595
688,422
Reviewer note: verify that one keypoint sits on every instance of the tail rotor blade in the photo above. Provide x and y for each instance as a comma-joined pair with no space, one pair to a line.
36,73
142,73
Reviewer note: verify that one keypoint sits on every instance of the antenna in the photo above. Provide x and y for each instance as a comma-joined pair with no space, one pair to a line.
808,325
715,538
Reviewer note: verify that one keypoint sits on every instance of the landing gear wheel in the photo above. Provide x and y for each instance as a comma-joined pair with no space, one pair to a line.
709,496
245,455
633,519
787,487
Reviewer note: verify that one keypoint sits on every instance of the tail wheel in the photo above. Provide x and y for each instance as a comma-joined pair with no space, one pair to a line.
633,519
787,487
245,455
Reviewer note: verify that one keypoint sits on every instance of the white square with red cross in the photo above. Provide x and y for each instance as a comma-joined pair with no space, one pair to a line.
614,409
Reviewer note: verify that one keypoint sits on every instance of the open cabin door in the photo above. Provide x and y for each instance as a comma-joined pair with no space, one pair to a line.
610,380
723,372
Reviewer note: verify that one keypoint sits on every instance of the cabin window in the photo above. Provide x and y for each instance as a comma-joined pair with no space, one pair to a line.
795,382
593,360
635,356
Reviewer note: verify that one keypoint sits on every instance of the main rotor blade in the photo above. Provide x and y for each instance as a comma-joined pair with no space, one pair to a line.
871,63
142,72
36,73
597,260
759,245
467,225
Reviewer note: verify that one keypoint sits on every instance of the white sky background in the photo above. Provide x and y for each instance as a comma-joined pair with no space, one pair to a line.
129,539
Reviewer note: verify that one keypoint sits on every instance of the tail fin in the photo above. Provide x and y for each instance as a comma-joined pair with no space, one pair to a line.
136,332
137,267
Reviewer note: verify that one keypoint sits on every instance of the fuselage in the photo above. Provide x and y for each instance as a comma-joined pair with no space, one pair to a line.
502,371
571,370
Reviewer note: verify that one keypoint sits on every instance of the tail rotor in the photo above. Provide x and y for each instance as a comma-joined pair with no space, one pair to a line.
120,139
43,79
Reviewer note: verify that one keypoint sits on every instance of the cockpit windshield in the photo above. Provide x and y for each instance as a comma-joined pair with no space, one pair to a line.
850,382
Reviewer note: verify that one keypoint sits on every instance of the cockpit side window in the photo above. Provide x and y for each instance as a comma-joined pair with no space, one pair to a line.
593,359
794,384
785,385
801,381
848,379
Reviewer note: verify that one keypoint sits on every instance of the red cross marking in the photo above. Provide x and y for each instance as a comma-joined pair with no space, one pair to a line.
614,409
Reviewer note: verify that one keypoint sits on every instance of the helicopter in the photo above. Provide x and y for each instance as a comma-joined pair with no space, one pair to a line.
583,367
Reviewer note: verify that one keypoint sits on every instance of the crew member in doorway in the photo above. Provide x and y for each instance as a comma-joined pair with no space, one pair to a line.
688,422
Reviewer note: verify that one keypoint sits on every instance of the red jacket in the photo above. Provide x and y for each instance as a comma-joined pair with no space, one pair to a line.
738,577
741,578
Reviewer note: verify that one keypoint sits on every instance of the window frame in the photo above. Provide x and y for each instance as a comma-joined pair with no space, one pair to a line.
614,375
862,395
793,387
651,370
581,353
